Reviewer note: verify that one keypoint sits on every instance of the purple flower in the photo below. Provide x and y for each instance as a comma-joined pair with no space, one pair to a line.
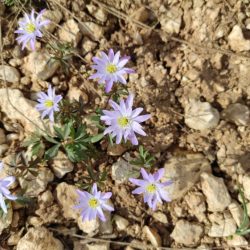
48,103
30,28
4,191
124,122
110,69
92,205
152,189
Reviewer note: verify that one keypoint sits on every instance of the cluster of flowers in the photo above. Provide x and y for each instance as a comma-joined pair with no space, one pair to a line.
123,122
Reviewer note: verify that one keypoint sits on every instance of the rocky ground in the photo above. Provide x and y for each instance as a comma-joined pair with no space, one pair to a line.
192,75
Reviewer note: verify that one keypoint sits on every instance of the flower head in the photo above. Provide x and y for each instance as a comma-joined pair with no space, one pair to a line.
110,68
48,103
30,28
124,122
4,191
92,204
152,189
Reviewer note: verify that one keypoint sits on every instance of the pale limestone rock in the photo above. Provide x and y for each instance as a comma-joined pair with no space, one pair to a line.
187,233
39,238
106,227
2,136
61,165
40,65
152,236
70,32
88,227
88,45
185,171
248,209
246,186
25,80
161,217
67,199
81,245
34,221
196,204
10,74
6,219
7,170
116,149
93,30
216,192
36,185
25,106
142,14
12,137
201,115
14,239
122,170
99,13
237,240
171,21
121,223
48,211
222,226
3,149
237,212
75,93
46,198
55,16
237,113
237,41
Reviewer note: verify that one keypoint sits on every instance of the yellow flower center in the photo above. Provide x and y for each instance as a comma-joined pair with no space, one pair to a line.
93,203
123,122
48,103
151,188
111,68
30,27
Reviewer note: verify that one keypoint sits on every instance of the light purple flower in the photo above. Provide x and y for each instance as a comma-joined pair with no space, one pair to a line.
4,191
152,189
92,204
48,103
30,28
124,122
110,68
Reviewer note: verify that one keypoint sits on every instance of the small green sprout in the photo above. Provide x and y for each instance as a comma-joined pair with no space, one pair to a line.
93,177
63,53
144,159
244,226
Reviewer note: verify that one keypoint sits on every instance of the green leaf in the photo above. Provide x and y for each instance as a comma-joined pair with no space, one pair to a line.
36,148
27,142
103,176
67,130
24,200
34,172
95,118
59,132
136,162
50,139
52,152
141,150
97,138
110,140
243,228
75,152
91,172
80,133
